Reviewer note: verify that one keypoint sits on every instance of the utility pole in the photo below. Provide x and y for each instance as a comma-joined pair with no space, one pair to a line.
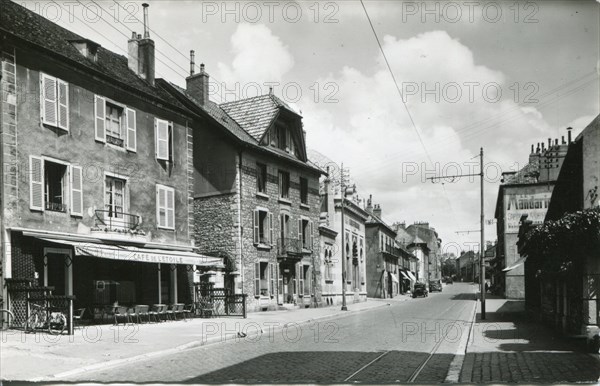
343,177
482,248
482,239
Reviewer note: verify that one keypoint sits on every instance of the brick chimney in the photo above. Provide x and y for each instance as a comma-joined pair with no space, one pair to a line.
377,210
369,207
197,85
141,58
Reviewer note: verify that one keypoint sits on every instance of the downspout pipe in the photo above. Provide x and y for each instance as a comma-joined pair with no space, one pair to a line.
240,227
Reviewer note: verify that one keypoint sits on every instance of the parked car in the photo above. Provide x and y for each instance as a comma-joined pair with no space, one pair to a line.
435,285
420,289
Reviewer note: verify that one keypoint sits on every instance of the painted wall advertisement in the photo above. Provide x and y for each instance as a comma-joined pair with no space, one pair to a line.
535,205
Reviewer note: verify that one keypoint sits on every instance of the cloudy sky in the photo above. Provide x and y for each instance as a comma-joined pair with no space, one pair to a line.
492,74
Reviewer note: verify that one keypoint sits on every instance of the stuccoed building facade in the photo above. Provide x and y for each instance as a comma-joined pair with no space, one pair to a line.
347,243
256,197
526,192
96,199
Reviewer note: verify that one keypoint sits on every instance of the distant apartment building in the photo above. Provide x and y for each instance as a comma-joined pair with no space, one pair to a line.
342,240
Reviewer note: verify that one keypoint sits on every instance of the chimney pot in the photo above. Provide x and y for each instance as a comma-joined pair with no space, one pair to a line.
192,62
549,143
146,32
569,134
197,86
562,139
556,141
133,35
531,148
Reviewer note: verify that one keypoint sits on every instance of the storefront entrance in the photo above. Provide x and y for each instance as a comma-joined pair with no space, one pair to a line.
287,272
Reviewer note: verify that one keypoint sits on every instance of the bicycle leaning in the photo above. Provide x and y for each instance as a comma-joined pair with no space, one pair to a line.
6,319
44,318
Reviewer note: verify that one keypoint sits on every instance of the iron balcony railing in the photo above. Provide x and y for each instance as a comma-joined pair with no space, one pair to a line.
287,246
117,220
56,206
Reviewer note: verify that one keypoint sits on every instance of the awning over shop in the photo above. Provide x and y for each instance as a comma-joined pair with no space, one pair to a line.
405,275
411,276
516,264
394,278
138,254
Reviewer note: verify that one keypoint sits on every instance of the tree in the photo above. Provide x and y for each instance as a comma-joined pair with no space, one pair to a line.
449,267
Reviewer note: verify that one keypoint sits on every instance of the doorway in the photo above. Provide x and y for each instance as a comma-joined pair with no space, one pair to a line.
288,276
58,270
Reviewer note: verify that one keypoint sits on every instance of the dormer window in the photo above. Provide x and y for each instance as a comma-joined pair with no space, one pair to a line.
283,138
87,48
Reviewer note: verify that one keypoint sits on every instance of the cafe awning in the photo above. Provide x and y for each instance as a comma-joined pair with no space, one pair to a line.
405,275
411,276
139,254
394,278
516,264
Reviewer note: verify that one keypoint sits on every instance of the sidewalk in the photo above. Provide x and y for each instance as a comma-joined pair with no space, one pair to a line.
40,356
510,347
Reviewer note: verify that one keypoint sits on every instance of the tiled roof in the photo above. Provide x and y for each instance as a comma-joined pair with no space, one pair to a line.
28,25
255,114
220,116
527,175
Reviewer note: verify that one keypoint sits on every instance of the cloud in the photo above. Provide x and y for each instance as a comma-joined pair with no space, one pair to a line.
259,57
370,130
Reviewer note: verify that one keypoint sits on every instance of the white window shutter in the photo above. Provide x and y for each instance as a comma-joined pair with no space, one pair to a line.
76,191
271,235
100,121
48,100
63,105
310,236
162,139
170,208
300,241
256,279
256,224
161,215
36,183
131,142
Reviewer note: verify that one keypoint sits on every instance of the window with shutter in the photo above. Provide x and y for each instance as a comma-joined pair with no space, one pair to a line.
165,207
76,191
279,280
49,103
301,279
271,235
256,279
272,277
100,121
36,183
162,139
131,130
256,227
63,105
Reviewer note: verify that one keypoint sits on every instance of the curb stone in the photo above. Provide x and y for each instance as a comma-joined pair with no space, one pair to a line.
189,346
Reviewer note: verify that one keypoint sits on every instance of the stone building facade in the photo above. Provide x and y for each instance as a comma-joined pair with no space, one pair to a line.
96,163
256,197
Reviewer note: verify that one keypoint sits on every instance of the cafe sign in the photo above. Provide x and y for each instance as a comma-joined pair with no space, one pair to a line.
534,205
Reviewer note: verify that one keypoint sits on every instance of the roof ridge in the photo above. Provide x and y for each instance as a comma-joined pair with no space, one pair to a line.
244,99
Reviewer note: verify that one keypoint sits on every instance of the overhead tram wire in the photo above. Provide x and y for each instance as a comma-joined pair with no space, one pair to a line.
511,117
168,43
128,36
99,33
395,82
402,98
